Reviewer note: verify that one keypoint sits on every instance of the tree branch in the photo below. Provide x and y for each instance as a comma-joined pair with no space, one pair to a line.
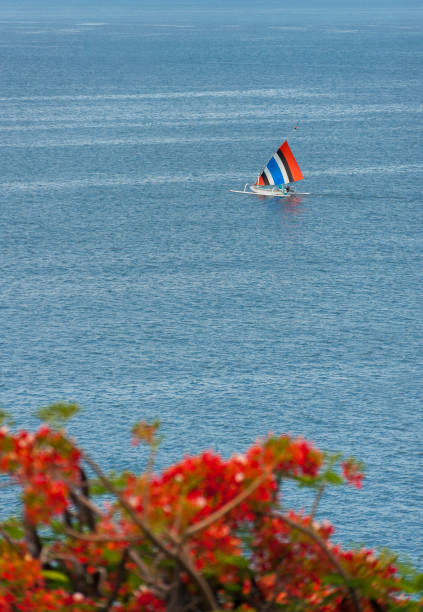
32,539
212,518
332,558
207,594
96,537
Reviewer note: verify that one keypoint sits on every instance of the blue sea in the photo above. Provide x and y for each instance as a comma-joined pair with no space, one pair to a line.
134,283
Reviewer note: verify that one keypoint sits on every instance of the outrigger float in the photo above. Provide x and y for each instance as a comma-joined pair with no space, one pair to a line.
276,177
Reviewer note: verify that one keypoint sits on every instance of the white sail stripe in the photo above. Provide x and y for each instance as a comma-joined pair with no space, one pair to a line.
269,176
281,168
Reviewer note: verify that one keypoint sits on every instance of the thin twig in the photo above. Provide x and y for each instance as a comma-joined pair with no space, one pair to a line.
317,501
148,473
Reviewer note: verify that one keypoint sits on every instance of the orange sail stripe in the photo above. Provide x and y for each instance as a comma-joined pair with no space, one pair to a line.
297,175
260,181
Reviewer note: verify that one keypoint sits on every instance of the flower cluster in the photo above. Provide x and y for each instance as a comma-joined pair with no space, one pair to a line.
352,472
45,464
23,586
206,534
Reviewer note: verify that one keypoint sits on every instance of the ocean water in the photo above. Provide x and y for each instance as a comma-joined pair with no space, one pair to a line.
134,283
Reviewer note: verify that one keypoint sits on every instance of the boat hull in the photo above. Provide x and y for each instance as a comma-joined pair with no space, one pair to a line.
273,193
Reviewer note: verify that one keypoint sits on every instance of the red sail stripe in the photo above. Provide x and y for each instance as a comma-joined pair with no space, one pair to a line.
297,175
260,181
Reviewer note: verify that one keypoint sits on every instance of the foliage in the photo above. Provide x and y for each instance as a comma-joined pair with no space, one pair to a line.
206,534
58,413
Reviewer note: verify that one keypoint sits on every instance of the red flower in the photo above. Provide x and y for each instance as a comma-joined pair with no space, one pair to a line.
352,473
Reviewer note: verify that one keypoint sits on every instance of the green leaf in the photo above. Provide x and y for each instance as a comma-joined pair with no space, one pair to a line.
334,580
236,560
112,556
56,576
119,481
332,459
412,584
354,582
57,414
57,528
134,582
333,478
14,529
232,587
312,482
418,582
5,417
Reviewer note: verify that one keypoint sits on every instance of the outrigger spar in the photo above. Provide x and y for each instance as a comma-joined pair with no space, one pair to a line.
275,178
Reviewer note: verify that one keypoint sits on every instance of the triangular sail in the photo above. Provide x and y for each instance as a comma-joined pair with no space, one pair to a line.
281,168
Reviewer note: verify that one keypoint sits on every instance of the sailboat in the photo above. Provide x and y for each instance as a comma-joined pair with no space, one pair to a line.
277,176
